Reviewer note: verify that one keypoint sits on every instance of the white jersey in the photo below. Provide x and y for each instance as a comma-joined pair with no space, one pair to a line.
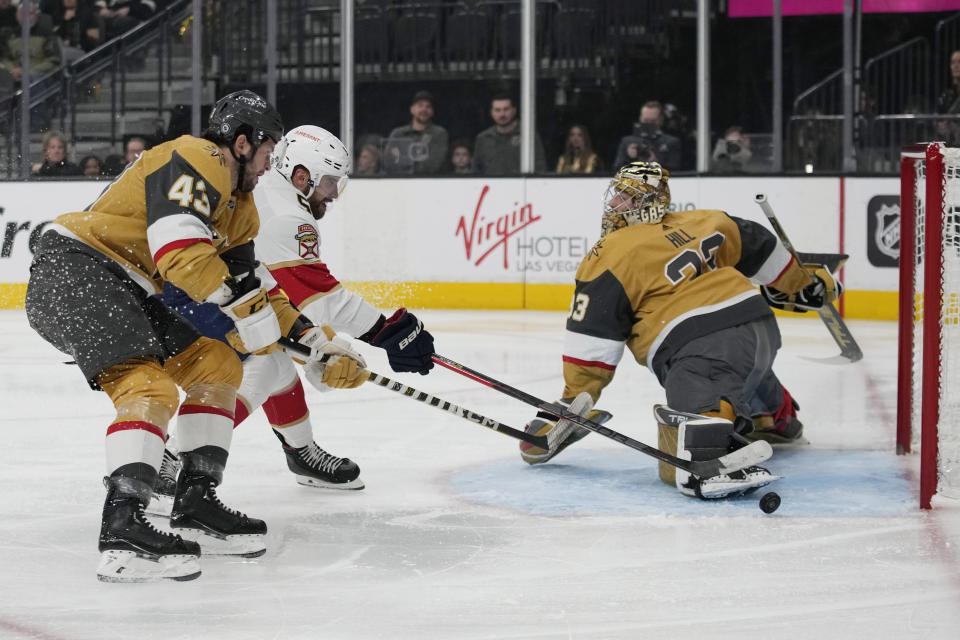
289,245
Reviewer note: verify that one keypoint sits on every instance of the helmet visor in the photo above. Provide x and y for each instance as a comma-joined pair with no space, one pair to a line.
330,186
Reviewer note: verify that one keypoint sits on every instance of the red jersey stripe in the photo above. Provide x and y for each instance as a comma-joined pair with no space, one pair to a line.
177,244
589,363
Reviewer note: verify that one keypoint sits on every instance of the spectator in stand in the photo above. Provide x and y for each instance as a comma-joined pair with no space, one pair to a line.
578,155
496,151
113,165
55,163
420,147
119,16
44,50
368,158
648,142
461,158
8,18
79,27
732,153
949,103
91,167
134,147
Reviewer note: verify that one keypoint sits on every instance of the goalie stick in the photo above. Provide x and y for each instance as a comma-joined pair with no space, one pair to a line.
433,401
849,348
752,454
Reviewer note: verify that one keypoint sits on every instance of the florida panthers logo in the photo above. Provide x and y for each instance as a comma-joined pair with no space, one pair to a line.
309,241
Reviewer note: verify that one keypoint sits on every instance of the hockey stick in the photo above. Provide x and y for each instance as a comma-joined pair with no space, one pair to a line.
433,401
753,453
849,348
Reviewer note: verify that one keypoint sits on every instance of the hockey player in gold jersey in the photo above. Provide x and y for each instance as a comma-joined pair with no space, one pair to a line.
183,212
679,290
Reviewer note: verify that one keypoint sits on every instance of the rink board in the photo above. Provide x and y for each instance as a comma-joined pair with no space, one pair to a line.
515,243
584,482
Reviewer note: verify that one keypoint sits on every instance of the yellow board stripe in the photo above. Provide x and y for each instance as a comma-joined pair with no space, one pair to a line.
868,305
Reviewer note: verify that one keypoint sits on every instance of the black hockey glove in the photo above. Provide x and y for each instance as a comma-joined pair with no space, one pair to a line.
408,345
824,290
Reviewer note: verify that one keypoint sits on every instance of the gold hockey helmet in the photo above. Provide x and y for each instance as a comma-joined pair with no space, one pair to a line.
637,193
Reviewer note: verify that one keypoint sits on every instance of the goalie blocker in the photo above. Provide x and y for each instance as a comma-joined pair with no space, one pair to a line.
824,289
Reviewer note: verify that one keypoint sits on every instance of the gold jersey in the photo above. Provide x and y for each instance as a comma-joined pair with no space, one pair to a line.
655,287
169,215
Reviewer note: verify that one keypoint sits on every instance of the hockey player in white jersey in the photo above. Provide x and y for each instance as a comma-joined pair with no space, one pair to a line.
310,169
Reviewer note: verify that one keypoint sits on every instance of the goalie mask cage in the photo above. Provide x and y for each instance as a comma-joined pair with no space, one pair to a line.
928,377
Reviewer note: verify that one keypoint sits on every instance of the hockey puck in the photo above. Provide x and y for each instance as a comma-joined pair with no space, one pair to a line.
769,502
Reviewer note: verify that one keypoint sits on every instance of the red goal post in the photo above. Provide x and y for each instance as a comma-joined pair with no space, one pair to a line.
928,376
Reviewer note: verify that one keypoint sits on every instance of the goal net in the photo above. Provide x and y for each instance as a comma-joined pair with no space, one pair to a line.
928,397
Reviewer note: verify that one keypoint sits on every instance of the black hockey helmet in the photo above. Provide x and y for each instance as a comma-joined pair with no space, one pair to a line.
243,112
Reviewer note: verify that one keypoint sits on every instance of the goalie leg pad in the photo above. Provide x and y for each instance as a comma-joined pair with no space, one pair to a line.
700,439
667,436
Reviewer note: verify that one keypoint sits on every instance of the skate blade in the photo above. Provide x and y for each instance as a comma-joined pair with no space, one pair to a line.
160,505
212,544
353,485
129,566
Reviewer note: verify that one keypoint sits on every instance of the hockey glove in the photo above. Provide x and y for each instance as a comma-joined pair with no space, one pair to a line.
256,328
824,290
408,345
332,363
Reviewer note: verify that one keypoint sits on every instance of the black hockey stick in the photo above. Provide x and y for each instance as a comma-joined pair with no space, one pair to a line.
433,401
752,454
849,348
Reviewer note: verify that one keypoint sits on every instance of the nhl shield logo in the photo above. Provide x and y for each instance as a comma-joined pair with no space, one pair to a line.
887,232
883,231
309,241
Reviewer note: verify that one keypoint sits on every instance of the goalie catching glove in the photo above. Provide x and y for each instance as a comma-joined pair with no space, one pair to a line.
332,363
256,328
824,290
408,345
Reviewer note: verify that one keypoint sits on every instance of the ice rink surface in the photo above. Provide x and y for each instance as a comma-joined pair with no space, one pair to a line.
455,537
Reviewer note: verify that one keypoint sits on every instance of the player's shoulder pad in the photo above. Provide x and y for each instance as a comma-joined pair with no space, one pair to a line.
205,158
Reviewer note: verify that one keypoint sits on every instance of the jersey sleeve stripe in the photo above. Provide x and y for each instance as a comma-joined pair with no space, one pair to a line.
179,228
773,267
589,363
590,349
177,244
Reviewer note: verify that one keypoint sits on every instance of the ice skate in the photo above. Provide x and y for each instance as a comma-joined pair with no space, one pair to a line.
133,550
314,467
161,500
199,515
780,427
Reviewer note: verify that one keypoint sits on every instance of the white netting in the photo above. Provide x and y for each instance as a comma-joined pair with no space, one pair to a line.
919,205
946,362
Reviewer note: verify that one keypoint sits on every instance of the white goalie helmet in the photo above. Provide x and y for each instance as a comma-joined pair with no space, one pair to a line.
318,151
638,193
